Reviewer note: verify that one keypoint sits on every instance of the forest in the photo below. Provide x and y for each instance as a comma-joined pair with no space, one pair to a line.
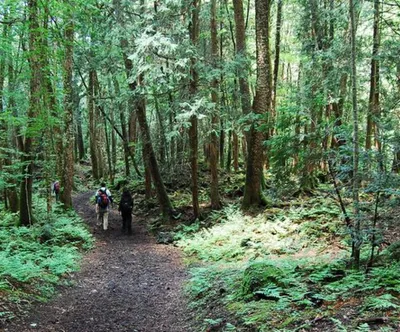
260,141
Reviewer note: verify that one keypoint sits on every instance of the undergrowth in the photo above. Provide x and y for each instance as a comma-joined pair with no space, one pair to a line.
285,270
33,260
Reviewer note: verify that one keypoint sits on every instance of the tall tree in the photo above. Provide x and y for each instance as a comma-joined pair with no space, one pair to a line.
215,198
194,29
140,107
277,56
68,164
261,106
373,104
36,76
241,53
356,149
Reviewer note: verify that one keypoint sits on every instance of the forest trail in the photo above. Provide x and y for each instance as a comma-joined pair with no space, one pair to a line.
127,283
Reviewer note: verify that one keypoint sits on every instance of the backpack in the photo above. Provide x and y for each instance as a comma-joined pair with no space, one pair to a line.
102,199
56,187
126,205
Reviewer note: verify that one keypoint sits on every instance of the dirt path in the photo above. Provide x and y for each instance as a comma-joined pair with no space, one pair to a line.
127,283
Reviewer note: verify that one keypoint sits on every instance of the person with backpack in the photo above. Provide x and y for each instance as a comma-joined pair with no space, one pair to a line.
125,208
103,202
56,190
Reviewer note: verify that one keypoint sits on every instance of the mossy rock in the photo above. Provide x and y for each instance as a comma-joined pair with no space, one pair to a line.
260,274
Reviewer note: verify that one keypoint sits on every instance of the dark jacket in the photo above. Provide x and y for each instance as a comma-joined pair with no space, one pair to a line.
126,204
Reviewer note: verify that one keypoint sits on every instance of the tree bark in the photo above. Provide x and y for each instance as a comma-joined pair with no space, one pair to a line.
124,130
68,174
92,125
235,151
356,151
373,104
26,216
215,197
262,105
193,134
241,53
276,61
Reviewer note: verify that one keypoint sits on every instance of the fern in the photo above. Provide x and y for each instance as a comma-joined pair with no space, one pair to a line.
383,302
339,325
363,328
270,292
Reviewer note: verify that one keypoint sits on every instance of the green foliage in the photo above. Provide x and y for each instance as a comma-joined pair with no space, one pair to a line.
34,259
251,271
383,302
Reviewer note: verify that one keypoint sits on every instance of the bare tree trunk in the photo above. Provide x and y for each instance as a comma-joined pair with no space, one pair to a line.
396,152
92,125
124,130
235,151
241,53
276,61
68,174
373,105
262,104
163,144
229,154
215,198
193,134
356,179
108,150
26,217
147,174
99,143
162,196
12,193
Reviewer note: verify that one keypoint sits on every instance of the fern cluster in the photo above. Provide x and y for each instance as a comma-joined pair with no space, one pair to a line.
33,260
269,271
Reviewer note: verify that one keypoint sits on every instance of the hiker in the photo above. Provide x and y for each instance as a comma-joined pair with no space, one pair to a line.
56,190
125,208
103,201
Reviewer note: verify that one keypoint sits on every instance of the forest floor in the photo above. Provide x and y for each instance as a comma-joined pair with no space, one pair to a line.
127,283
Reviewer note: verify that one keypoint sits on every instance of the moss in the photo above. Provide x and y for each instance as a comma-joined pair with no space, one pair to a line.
258,275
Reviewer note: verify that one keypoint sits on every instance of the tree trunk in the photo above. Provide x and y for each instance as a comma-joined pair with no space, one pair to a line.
12,193
229,154
356,179
26,217
113,146
262,104
162,143
193,134
80,145
92,125
100,137
276,62
215,198
162,195
373,105
147,175
124,130
68,174
235,151
241,53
